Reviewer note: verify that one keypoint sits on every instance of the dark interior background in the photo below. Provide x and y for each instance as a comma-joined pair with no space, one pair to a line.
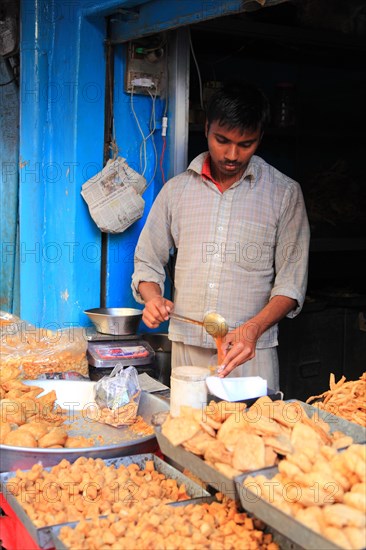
318,50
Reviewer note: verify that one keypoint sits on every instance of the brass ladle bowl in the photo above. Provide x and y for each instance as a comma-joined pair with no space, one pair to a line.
213,323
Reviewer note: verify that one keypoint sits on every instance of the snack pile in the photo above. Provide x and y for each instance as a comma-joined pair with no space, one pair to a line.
345,399
30,421
325,490
153,526
234,439
36,351
89,488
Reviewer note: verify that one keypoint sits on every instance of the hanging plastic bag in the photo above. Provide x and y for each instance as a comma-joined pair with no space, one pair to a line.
118,396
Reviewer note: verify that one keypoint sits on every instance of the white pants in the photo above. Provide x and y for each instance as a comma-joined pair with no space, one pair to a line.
264,364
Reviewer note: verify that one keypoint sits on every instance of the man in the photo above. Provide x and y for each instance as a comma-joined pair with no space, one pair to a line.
242,238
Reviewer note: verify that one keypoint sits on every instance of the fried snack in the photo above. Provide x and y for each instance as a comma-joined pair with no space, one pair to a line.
31,421
73,442
20,439
218,526
8,372
56,436
345,399
123,416
236,439
5,428
89,488
180,429
37,429
249,453
311,491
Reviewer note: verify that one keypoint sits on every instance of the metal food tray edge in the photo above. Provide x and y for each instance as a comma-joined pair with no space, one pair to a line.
197,466
336,423
275,518
43,536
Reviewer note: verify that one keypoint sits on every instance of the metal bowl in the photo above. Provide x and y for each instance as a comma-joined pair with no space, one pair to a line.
115,320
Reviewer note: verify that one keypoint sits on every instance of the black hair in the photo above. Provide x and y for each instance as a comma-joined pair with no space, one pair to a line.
239,105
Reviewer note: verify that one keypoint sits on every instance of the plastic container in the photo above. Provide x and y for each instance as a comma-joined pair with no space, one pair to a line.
188,387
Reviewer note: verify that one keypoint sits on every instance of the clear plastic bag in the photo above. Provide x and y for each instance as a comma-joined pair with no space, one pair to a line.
118,396
118,388
37,351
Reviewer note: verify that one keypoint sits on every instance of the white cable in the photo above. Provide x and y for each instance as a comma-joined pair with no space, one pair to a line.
143,143
198,71
152,130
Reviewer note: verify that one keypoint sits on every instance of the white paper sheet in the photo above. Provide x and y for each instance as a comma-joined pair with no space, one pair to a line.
237,389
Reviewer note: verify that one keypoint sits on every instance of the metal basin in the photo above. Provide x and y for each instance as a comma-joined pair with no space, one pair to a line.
74,396
115,320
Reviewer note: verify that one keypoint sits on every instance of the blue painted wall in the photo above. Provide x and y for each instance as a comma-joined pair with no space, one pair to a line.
61,146
121,247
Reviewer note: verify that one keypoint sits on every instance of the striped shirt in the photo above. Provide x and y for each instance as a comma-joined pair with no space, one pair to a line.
235,250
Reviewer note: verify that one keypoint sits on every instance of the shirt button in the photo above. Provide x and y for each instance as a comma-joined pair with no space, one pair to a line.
220,228
211,285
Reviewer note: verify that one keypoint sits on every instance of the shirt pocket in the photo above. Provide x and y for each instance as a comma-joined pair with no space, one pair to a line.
254,246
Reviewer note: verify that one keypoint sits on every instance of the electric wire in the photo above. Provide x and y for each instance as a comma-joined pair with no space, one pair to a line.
143,143
198,71
152,130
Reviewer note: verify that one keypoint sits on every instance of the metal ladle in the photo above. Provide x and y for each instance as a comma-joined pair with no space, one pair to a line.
213,323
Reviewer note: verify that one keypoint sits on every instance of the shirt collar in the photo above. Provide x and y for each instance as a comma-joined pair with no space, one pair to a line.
251,174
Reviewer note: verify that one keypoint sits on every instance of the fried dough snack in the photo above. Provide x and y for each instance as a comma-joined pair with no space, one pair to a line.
89,488
326,491
27,420
215,526
345,399
34,351
234,439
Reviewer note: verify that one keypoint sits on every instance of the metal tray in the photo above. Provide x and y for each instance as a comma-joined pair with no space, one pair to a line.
43,536
221,483
283,542
73,396
197,466
59,545
286,525
336,423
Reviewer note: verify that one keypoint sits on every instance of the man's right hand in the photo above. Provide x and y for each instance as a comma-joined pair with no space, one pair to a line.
157,311
157,308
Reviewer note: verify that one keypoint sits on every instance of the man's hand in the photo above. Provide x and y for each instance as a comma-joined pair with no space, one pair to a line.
157,308
238,347
156,311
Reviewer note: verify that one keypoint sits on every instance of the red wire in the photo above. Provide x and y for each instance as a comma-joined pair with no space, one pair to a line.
162,158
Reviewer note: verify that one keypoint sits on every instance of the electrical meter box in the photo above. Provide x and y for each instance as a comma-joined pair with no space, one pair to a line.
146,66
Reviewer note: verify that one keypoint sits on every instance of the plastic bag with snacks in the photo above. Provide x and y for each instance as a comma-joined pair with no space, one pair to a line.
39,352
118,396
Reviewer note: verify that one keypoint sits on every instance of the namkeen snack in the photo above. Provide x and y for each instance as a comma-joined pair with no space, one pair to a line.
215,526
234,439
89,488
345,399
30,420
36,351
323,489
